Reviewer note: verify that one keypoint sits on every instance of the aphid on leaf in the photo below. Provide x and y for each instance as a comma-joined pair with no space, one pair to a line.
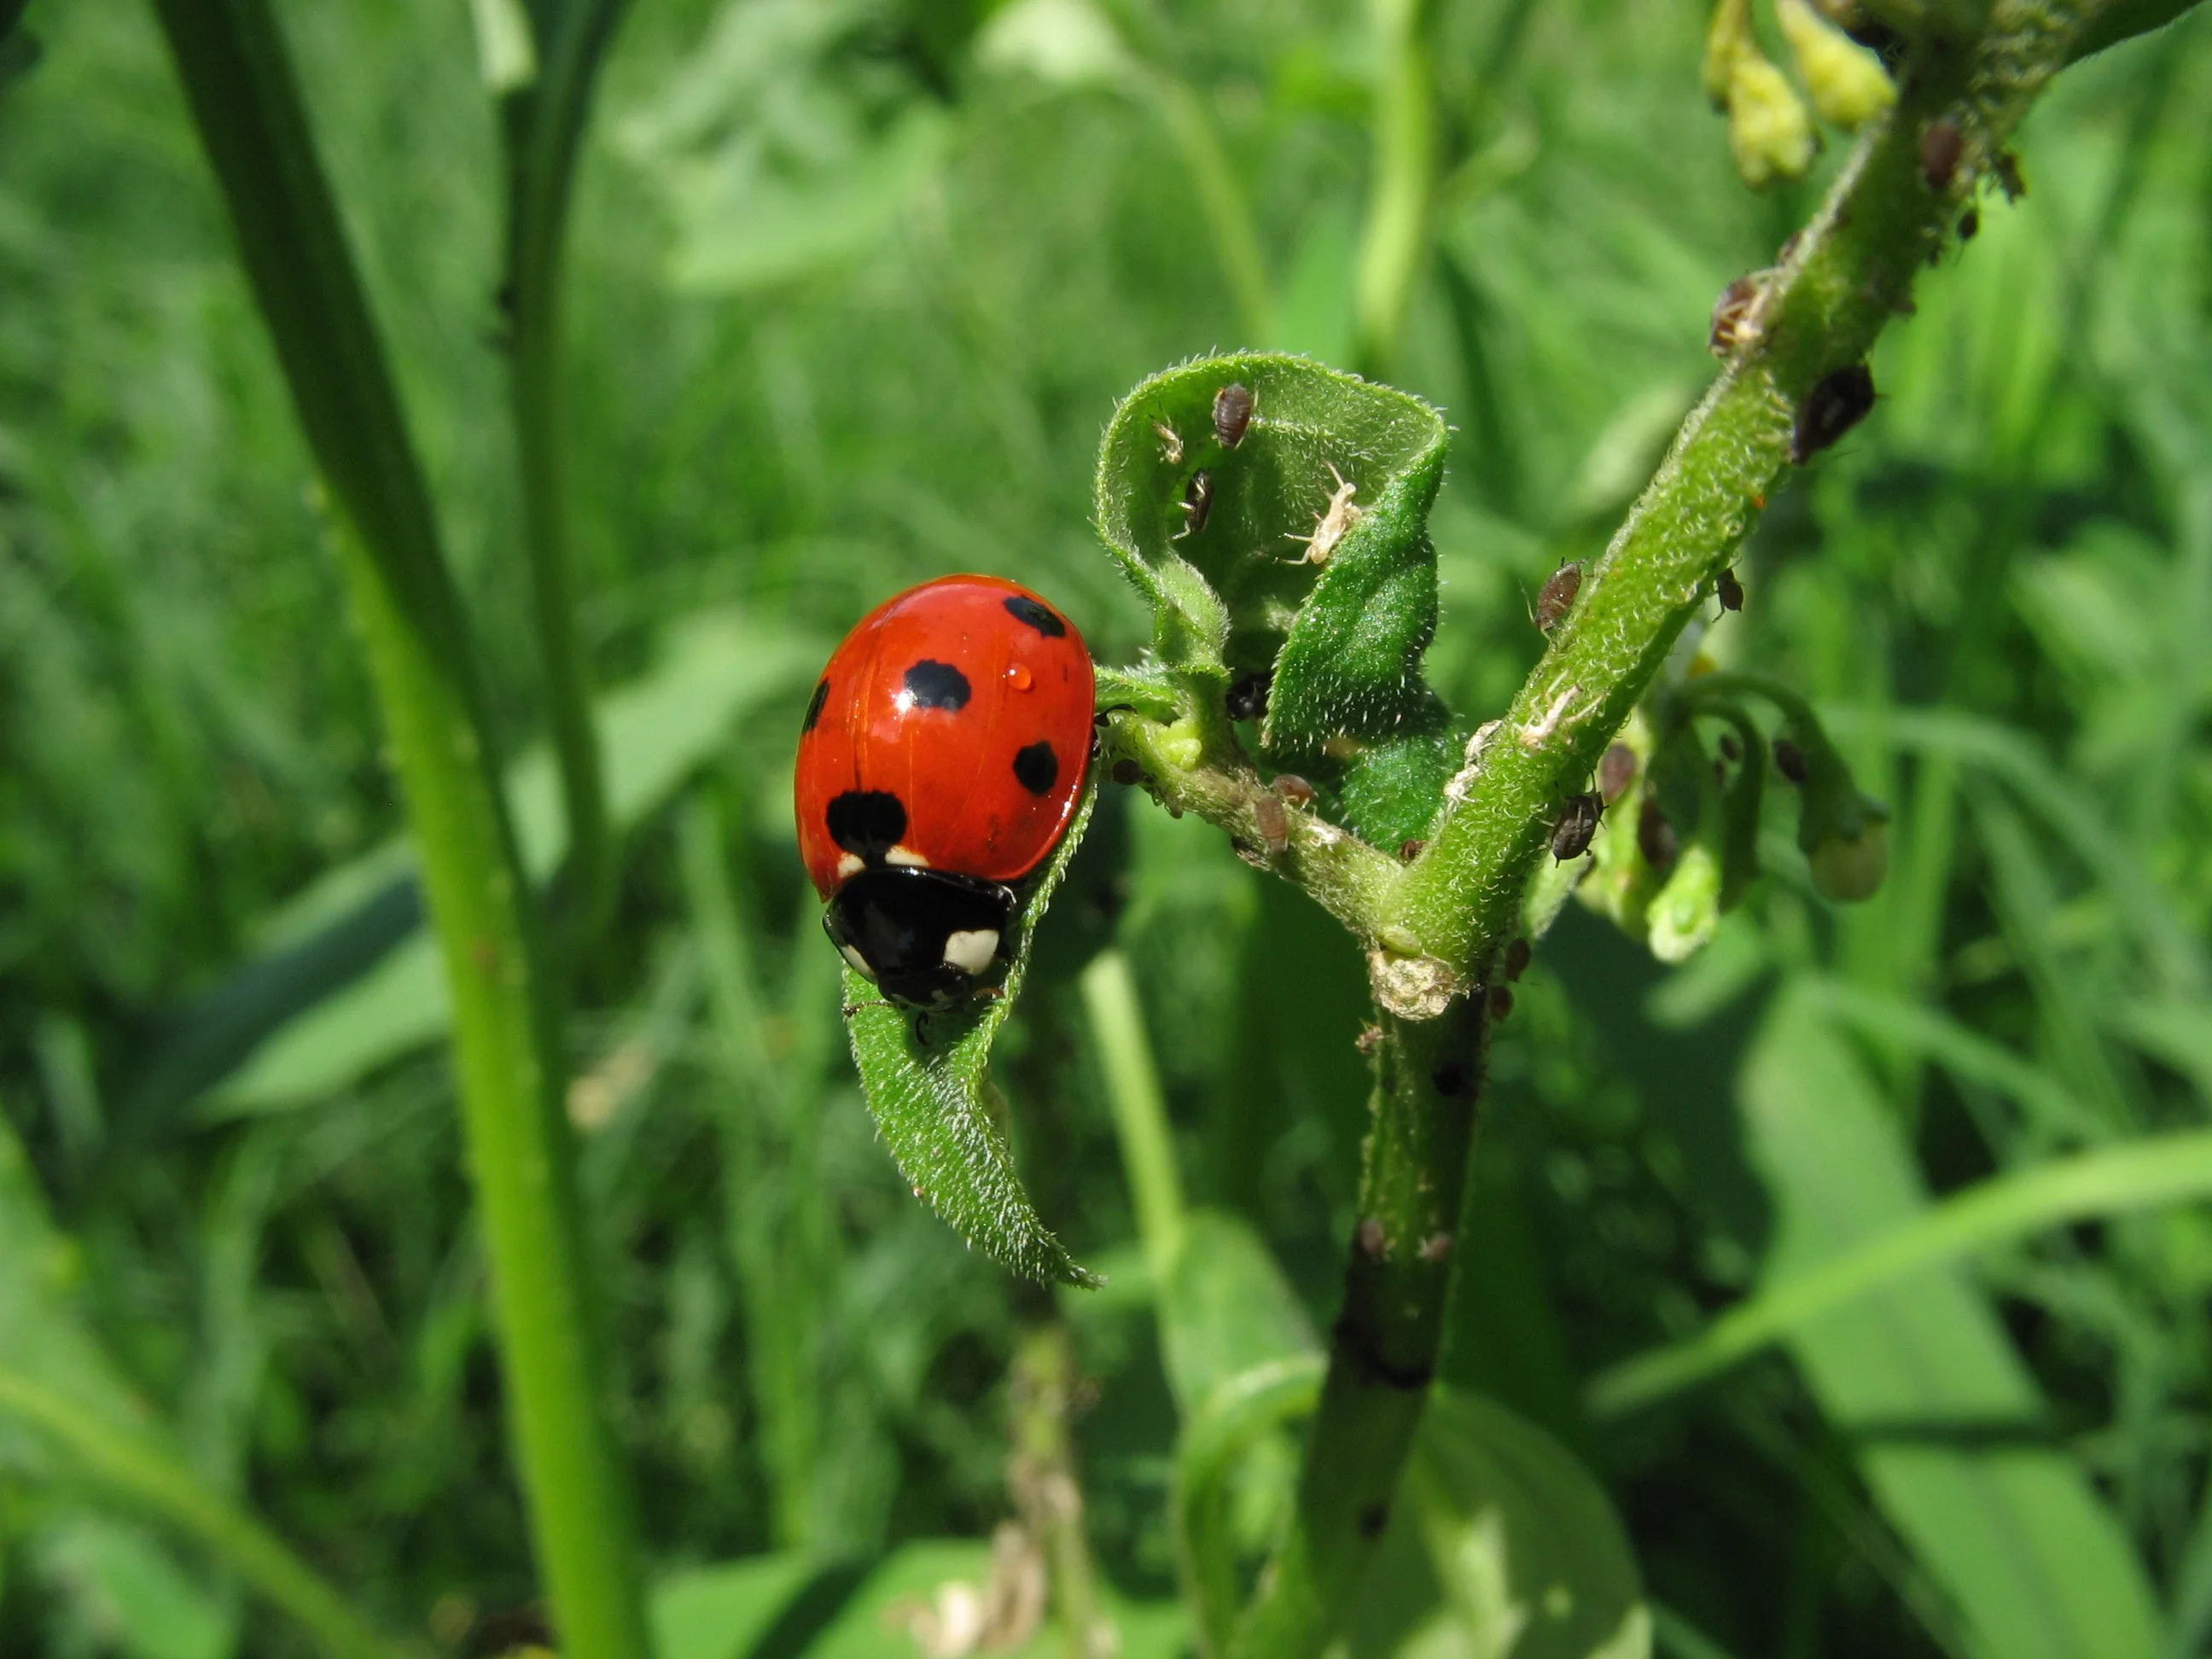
1616,772
1293,788
1941,147
1516,958
942,761
1332,527
1197,503
1170,443
1557,596
1577,824
2009,177
1411,848
1729,590
1232,414
1790,760
1832,408
1970,224
1501,1002
1656,838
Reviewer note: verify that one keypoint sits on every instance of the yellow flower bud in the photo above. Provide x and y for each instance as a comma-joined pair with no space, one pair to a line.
1770,129
1848,83
1728,38
1849,868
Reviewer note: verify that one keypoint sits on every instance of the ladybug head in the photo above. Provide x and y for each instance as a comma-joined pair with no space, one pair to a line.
926,937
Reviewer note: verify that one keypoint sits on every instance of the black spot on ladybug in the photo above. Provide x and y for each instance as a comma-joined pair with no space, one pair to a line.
1036,768
1248,698
934,684
1021,608
814,706
866,823
1832,408
1232,414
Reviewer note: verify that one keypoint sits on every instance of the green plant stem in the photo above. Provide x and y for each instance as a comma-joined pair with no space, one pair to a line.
1220,198
1233,1416
1141,1117
159,1485
2166,1169
1850,270
246,105
1383,1352
543,125
1043,1476
1402,200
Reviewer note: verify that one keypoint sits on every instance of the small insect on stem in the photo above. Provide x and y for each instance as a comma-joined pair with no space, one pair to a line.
1274,820
1941,147
1197,503
1832,408
1294,789
1729,590
1232,414
1656,838
1332,527
1790,760
1577,823
1557,596
1616,772
1731,312
1247,697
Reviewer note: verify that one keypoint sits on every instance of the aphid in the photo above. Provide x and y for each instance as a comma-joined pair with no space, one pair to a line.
1368,1040
1273,819
1730,748
1516,958
1436,1248
1501,1002
1247,697
1293,788
1790,760
1970,224
1170,443
1577,823
1557,596
1332,527
1729,311
1232,414
1616,772
1448,1079
1126,771
1729,590
1372,1239
1197,503
1411,848
2010,179
1832,408
941,762
1656,838
1941,147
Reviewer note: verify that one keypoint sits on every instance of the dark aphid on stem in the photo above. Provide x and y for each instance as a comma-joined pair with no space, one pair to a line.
2009,177
1970,224
1729,311
1294,789
1832,408
1577,823
1790,760
1411,848
1557,596
1516,958
1656,838
1616,772
1372,1239
1248,698
1730,591
1501,1002
1448,1079
1941,147
1126,771
1274,821
1197,503
1232,414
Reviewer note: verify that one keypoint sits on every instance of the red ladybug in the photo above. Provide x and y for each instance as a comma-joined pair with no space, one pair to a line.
942,758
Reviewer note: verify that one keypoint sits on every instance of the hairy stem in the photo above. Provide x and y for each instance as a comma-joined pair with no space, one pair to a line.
1383,1354
543,125
246,105
1821,311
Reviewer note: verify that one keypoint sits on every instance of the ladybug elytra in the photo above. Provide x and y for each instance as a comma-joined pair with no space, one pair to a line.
942,758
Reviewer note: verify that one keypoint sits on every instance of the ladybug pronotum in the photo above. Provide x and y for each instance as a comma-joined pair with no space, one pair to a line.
942,758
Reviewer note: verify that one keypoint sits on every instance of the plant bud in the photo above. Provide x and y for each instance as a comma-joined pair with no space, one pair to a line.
1686,912
1770,129
1846,81
1849,868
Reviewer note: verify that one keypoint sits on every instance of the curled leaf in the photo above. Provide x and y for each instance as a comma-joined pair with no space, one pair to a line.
926,1079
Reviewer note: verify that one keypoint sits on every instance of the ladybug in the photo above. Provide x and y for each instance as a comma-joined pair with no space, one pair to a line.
941,760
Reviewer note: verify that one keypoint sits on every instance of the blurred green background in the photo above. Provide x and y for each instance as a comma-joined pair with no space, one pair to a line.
854,287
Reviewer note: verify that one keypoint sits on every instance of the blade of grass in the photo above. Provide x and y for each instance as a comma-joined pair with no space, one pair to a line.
2163,1170
245,103
1141,1120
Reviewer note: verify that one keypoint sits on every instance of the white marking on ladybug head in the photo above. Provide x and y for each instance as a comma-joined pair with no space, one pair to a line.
848,866
907,856
860,962
971,952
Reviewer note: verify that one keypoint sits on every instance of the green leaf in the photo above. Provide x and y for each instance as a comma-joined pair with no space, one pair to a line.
722,1612
132,1594
2027,1552
1502,1544
926,1082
